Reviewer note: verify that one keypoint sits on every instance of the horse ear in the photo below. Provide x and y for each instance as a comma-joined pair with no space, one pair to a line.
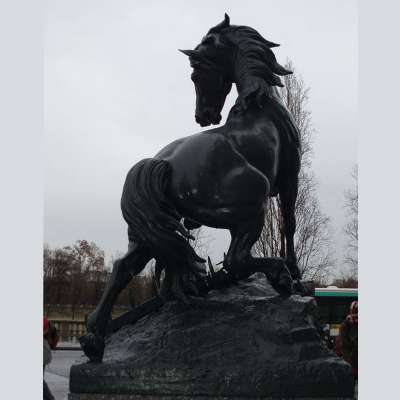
271,44
190,53
227,20
224,24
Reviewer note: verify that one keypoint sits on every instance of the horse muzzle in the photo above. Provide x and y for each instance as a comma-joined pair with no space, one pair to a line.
207,118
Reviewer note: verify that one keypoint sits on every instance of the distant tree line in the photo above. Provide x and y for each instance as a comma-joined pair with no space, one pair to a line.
76,276
351,228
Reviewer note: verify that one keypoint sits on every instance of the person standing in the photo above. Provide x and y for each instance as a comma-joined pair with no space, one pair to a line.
349,338
50,340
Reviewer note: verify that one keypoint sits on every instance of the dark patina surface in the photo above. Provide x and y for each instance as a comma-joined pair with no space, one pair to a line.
219,178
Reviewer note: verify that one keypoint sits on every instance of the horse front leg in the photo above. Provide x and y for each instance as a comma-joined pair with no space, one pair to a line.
131,264
288,196
239,262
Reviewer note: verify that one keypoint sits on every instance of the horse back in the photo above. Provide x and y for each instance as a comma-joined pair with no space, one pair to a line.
208,172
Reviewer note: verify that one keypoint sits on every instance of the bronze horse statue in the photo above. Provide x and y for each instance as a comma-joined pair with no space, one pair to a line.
218,178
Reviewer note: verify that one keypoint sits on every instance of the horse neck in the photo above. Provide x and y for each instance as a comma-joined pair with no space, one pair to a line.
251,86
246,107
273,109
247,118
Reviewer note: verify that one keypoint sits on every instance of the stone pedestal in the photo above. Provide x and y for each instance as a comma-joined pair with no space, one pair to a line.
244,342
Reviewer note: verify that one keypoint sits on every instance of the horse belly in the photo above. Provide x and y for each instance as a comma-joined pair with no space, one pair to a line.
215,185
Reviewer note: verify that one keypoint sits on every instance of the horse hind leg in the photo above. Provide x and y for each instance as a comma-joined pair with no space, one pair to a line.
132,263
288,196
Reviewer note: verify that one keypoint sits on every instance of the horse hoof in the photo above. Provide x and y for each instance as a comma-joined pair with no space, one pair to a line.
93,347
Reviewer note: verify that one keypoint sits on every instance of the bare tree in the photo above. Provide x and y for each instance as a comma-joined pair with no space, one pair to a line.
346,281
351,228
201,242
56,274
87,273
312,238
73,275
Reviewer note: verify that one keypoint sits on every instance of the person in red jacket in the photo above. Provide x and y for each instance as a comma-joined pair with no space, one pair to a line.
348,338
50,340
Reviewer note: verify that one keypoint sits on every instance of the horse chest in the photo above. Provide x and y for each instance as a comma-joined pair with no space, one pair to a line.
260,149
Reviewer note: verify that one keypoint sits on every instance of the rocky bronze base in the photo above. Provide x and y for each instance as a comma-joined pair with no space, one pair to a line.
244,342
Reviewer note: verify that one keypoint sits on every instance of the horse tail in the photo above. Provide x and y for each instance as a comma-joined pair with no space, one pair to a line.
151,217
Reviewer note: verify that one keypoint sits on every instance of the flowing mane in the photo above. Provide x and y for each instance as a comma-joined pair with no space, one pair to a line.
257,64
254,53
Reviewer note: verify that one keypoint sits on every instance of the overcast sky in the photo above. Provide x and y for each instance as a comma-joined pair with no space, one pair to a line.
117,90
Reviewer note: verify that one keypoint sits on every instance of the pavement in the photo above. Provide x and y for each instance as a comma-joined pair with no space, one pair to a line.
57,372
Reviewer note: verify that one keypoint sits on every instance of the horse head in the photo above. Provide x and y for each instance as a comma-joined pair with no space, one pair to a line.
232,54
210,75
